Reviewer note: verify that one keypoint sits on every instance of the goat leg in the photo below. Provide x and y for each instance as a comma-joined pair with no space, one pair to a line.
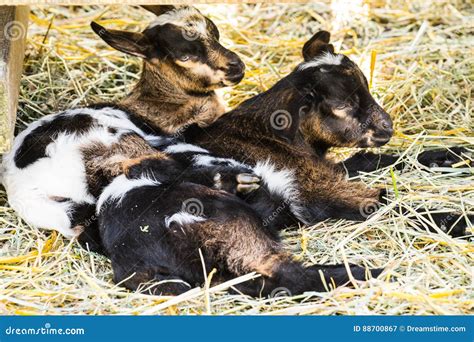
291,278
368,161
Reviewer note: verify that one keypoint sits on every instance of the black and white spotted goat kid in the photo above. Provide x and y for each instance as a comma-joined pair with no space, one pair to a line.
44,173
48,181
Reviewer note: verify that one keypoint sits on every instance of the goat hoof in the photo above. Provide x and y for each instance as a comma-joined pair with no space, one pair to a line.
375,272
442,157
247,178
247,188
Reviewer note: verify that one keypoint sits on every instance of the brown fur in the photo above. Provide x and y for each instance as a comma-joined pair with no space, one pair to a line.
106,162
246,135
319,181
182,66
238,243
127,164
161,98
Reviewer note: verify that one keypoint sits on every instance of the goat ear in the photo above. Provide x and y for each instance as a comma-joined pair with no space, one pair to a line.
318,43
159,9
132,43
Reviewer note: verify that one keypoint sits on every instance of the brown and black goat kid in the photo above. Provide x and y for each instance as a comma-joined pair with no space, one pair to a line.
183,65
324,102
161,223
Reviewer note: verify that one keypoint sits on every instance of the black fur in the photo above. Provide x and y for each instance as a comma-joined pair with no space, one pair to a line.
230,237
368,161
34,145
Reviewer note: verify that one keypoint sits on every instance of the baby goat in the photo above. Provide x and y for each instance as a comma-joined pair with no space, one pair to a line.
44,174
183,63
160,223
324,102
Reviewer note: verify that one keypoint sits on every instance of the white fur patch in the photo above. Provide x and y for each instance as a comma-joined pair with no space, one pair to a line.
155,141
282,183
220,97
183,148
61,173
182,218
117,189
326,58
206,160
341,113
182,17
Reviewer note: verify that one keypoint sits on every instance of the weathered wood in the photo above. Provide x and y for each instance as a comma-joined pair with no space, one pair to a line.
13,28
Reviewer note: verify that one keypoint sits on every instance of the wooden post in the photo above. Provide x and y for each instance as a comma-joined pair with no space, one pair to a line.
13,29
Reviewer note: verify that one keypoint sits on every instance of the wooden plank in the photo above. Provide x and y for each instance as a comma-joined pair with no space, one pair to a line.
13,28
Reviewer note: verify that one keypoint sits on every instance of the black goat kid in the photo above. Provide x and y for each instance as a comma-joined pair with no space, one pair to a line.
159,224
324,102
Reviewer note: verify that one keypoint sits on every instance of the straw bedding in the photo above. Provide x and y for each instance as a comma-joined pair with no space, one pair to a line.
423,76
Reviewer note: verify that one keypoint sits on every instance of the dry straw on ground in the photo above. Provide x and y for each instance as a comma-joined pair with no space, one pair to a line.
423,77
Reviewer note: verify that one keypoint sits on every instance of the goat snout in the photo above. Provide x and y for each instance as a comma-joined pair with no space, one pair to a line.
380,128
235,69
380,138
384,129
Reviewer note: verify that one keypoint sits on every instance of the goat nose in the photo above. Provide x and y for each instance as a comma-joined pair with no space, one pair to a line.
383,135
234,63
387,128
387,125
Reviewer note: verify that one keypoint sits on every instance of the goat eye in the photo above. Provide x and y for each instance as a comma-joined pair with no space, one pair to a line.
184,58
